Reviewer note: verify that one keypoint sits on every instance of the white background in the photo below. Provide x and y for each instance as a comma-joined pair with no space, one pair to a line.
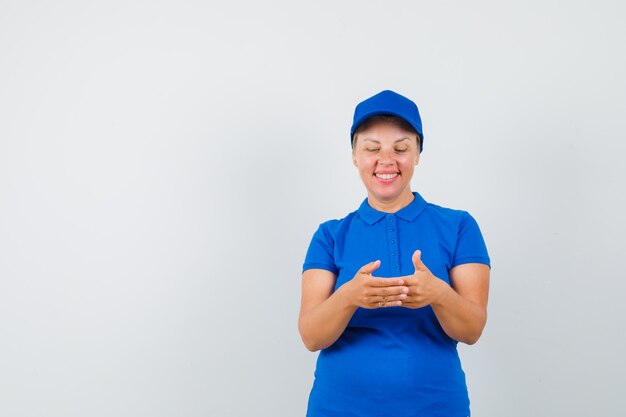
163,165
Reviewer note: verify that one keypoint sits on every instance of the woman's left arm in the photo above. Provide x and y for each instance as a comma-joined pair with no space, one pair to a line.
461,307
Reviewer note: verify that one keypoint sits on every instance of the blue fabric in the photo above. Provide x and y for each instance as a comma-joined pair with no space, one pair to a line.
393,361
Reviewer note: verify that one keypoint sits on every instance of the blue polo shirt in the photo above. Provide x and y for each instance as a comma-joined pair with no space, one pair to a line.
394,361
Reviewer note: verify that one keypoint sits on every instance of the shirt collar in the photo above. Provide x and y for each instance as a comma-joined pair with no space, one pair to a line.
408,213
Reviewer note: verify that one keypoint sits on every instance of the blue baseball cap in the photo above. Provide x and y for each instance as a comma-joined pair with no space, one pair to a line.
391,103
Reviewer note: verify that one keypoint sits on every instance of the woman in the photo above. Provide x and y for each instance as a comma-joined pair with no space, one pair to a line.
389,290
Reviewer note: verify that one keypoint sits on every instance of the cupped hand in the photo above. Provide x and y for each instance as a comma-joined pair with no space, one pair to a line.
424,287
367,291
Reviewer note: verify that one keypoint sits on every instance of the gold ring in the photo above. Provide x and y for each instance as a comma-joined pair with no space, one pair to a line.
380,304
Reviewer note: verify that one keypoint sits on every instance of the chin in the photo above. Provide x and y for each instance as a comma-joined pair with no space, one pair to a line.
385,196
388,194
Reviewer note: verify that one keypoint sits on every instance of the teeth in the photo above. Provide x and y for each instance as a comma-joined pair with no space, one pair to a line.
386,176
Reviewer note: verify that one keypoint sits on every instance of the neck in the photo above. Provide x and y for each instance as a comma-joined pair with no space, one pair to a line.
391,206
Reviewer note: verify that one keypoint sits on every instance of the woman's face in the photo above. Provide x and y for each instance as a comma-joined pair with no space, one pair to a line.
386,156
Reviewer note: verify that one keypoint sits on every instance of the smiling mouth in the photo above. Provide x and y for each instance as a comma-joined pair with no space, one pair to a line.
386,176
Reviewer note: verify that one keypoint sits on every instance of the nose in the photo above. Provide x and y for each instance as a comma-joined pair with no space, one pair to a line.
385,157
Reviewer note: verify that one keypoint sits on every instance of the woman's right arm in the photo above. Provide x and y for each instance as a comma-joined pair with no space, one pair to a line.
324,314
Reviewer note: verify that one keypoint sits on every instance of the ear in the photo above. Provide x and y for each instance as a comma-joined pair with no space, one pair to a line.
419,147
354,160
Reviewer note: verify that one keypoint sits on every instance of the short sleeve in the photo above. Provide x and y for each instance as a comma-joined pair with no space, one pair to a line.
470,245
320,252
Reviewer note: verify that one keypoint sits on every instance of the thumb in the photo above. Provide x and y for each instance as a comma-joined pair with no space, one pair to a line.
369,268
417,261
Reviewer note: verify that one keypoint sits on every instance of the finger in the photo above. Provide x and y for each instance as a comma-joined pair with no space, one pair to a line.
417,261
391,298
369,268
411,281
383,304
388,291
385,282
411,304
392,304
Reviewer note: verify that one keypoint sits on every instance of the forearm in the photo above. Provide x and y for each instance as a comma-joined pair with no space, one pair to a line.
461,319
322,325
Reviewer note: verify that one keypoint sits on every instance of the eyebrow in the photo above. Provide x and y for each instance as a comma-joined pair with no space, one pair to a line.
376,141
